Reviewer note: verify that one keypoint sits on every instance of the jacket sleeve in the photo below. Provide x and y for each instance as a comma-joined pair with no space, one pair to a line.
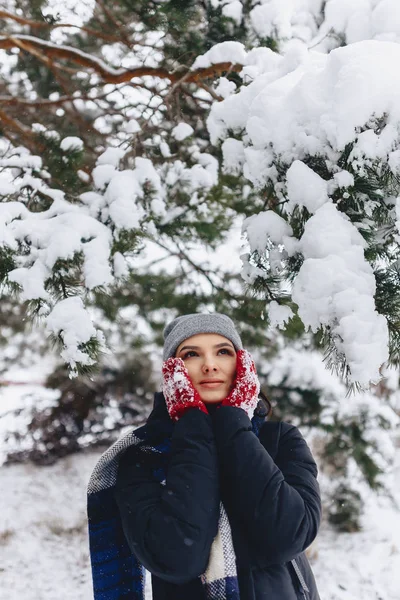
278,502
170,528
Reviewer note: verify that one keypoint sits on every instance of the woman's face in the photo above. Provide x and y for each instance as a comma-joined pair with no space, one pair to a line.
211,363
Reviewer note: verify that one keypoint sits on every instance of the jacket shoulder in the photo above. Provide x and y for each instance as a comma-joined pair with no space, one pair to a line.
290,446
275,435
280,429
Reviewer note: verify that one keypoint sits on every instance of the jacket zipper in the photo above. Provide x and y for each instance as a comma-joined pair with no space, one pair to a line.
301,578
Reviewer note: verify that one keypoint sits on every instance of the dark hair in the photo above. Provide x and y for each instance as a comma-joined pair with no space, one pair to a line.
265,403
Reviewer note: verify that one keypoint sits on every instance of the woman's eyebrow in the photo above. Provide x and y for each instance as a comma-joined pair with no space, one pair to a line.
198,347
189,348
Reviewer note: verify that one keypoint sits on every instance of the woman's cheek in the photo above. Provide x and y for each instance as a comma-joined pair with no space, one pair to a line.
191,370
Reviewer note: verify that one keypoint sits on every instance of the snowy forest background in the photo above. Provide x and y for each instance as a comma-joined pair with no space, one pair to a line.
159,157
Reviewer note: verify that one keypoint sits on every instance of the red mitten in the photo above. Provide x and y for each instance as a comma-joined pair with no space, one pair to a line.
178,389
246,387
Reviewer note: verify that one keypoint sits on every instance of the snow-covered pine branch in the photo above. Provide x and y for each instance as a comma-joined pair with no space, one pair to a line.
54,256
319,136
322,24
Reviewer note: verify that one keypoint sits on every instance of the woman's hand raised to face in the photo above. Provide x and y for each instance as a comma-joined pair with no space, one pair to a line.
246,387
178,390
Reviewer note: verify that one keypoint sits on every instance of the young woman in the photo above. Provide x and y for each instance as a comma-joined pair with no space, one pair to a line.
214,500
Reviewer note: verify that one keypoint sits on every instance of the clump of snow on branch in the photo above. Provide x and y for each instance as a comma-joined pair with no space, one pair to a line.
120,193
335,287
225,87
225,52
71,143
233,9
263,227
305,188
70,320
285,20
182,131
264,233
369,19
131,126
279,314
233,156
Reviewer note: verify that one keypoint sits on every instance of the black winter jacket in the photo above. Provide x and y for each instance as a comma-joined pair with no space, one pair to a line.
269,490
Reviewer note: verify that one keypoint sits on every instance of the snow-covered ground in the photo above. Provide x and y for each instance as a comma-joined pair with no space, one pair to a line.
44,545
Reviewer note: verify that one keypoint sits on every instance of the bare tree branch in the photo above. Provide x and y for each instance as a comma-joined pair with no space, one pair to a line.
48,50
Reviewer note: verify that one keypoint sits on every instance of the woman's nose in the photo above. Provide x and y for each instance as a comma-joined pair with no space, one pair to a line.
209,365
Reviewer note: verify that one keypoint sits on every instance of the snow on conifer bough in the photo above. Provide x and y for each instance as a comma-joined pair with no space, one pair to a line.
320,142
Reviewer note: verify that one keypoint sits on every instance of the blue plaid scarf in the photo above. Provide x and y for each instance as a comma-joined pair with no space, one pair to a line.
117,573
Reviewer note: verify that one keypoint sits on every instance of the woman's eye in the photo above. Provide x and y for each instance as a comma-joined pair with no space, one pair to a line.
189,354
226,351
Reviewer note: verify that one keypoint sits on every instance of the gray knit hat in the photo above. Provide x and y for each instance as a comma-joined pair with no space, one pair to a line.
185,326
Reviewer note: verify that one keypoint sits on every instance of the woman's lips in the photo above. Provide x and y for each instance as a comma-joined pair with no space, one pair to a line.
211,384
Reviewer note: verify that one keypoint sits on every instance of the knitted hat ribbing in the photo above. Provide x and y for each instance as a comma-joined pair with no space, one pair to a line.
185,326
